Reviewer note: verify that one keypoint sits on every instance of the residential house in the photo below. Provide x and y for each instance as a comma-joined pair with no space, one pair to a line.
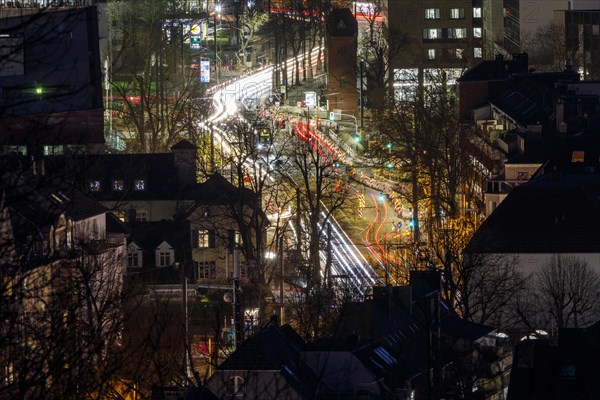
422,333
384,348
62,271
276,363
563,370
555,213
142,188
157,252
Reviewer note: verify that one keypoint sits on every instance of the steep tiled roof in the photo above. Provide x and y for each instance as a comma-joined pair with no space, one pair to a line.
551,214
527,103
150,235
268,350
183,144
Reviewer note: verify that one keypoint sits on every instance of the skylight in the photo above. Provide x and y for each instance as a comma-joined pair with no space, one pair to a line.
385,356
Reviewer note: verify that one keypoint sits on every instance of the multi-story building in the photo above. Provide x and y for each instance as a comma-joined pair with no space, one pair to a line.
582,40
433,34
50,81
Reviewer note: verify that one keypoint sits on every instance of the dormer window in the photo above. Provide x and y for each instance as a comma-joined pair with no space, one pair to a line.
139,184
94,185
164,258
235,386
118,185
133,259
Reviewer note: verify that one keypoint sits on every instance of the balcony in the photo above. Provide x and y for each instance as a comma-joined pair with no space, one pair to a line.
501,187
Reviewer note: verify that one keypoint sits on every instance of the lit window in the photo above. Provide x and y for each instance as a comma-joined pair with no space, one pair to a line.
459,53
203,239
206,270
577,156
457,33
432,33
457,13
164,259
235,386
133,259
523,176
432,13
120,214
477,32
53,150
477,52
95,186
118,185
139,184
141,215
431,54
476,12
18,150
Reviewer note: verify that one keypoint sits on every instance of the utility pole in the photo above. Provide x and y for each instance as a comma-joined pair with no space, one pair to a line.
237,309
281,276
362,105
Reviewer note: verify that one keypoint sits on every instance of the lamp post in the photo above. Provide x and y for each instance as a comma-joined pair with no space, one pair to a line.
217,11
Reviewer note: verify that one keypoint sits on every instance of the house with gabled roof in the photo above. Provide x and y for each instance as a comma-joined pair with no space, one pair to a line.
558,212
139,188
277,364
157,252
564,370
63,265
421,333
266,366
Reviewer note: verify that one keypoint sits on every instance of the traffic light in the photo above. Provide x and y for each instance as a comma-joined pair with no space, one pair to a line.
322,101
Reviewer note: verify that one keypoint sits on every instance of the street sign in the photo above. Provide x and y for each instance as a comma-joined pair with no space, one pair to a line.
310,99
197,31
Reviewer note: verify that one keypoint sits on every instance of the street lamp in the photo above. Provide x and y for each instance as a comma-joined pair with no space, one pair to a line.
217,11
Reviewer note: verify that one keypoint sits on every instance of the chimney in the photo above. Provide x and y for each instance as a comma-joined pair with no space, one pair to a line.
568,65
132,217
184,155
37,166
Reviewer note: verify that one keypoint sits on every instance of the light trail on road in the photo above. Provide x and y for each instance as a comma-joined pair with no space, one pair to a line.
347,260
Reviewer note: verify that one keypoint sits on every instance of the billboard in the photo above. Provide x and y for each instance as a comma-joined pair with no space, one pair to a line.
204,71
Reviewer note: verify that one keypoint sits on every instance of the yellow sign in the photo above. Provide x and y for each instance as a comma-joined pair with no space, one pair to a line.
195,29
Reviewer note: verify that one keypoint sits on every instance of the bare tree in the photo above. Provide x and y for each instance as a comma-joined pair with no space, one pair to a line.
567,289
157,94
547,48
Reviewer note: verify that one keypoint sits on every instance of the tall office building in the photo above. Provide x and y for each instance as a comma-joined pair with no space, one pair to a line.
453,35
